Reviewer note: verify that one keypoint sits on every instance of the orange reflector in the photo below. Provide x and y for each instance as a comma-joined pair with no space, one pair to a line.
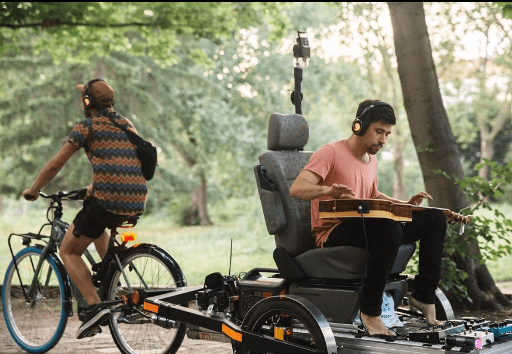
279,333
135,297
150,307
128,236
267,294
231,333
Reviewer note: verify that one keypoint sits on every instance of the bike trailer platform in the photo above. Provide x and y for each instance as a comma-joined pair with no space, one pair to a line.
466,335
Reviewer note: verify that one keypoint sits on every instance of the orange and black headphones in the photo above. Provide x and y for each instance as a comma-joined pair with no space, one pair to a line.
88,99
360,125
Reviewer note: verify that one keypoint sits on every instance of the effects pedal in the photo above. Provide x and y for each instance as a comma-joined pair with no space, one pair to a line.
470,339
437,334
500,329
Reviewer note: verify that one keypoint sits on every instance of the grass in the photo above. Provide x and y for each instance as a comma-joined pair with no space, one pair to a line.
199,250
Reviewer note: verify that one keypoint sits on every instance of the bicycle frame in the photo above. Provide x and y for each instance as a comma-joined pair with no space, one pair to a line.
58,229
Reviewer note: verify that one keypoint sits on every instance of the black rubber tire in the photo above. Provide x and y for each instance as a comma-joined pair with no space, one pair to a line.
159,271
266,314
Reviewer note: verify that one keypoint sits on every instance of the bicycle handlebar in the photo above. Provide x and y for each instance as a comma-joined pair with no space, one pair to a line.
76,194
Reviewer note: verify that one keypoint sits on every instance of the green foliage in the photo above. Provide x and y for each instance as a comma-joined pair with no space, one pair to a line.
506,7
194,111
78,31
490,227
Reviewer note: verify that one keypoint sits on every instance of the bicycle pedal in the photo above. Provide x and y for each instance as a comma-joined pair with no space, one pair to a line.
91,332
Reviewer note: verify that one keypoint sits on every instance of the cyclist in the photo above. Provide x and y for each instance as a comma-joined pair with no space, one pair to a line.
118,189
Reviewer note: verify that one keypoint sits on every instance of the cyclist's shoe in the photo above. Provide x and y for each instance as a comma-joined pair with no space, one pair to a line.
95,315
81,312
91,332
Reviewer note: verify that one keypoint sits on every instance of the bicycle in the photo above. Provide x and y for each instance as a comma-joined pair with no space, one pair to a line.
37,291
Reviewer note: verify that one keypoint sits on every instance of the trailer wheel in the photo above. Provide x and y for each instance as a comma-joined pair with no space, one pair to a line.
292,319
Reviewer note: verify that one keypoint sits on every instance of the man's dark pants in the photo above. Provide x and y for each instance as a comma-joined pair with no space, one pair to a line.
384,237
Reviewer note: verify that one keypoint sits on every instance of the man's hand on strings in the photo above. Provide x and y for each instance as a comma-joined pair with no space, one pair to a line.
340,191
418,198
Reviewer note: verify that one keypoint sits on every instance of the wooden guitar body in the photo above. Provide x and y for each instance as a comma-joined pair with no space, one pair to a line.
377,208
370,208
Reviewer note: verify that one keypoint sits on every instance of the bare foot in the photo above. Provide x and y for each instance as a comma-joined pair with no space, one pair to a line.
374,325
428,310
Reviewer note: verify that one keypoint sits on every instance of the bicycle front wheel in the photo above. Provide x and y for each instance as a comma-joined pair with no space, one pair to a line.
37,323
149,268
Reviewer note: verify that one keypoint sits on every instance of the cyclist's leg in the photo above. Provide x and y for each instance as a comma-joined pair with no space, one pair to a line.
101,244
71,252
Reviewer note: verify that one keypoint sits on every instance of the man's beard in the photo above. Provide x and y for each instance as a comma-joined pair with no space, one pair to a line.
372,150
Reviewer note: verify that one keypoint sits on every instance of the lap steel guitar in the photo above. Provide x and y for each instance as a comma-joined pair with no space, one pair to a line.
377,208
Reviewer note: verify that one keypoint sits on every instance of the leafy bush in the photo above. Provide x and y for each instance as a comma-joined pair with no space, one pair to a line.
490,228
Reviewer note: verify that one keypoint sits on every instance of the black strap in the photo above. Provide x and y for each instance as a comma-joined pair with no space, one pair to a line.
109,116
131,135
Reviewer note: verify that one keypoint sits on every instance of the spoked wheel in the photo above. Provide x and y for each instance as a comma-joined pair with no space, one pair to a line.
290,319
36,324
148,268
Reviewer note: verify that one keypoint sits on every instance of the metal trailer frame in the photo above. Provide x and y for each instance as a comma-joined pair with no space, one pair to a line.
172,308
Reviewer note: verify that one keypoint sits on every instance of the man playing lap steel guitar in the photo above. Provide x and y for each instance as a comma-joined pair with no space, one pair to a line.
348,169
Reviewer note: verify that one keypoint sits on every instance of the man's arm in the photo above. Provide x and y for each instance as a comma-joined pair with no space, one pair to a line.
415,199
306,186
50,170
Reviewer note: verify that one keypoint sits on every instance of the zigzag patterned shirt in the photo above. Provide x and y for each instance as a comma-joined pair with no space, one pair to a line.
118,183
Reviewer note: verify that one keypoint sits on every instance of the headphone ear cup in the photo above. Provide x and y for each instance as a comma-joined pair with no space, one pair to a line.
358,127
87,101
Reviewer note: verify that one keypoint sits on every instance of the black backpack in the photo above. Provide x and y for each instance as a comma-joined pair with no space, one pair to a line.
146,151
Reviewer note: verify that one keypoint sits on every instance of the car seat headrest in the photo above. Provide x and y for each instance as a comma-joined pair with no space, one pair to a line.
287,132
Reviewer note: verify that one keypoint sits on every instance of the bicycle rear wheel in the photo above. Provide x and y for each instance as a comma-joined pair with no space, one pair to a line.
35,324
150,268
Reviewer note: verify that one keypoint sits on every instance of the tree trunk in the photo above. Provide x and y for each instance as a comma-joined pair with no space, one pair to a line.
398,163
197,211
432,134
199,203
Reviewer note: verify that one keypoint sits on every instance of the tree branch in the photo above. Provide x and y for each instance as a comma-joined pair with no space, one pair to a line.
57,22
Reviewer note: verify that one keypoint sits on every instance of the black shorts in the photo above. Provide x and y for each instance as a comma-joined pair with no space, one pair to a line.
92,220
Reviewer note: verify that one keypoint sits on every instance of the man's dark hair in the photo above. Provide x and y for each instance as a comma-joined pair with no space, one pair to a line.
380,112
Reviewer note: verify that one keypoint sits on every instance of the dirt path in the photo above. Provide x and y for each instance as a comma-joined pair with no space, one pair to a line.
103,343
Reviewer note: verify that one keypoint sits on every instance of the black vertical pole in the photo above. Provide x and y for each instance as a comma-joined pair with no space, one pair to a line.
297,74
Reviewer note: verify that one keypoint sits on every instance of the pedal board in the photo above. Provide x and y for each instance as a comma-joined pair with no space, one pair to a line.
468,332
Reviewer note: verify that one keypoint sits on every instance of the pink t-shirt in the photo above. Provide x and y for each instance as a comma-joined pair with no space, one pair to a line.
335,163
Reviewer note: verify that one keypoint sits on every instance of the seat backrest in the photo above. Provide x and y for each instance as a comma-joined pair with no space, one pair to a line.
288,219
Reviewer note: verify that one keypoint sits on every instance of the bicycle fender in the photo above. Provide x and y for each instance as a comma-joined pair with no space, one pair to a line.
330,341
157,249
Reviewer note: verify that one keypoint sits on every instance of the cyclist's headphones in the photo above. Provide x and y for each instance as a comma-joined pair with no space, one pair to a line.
360,125
88,99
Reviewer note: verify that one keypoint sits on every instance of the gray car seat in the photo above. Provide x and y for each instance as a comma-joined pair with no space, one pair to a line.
288,219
